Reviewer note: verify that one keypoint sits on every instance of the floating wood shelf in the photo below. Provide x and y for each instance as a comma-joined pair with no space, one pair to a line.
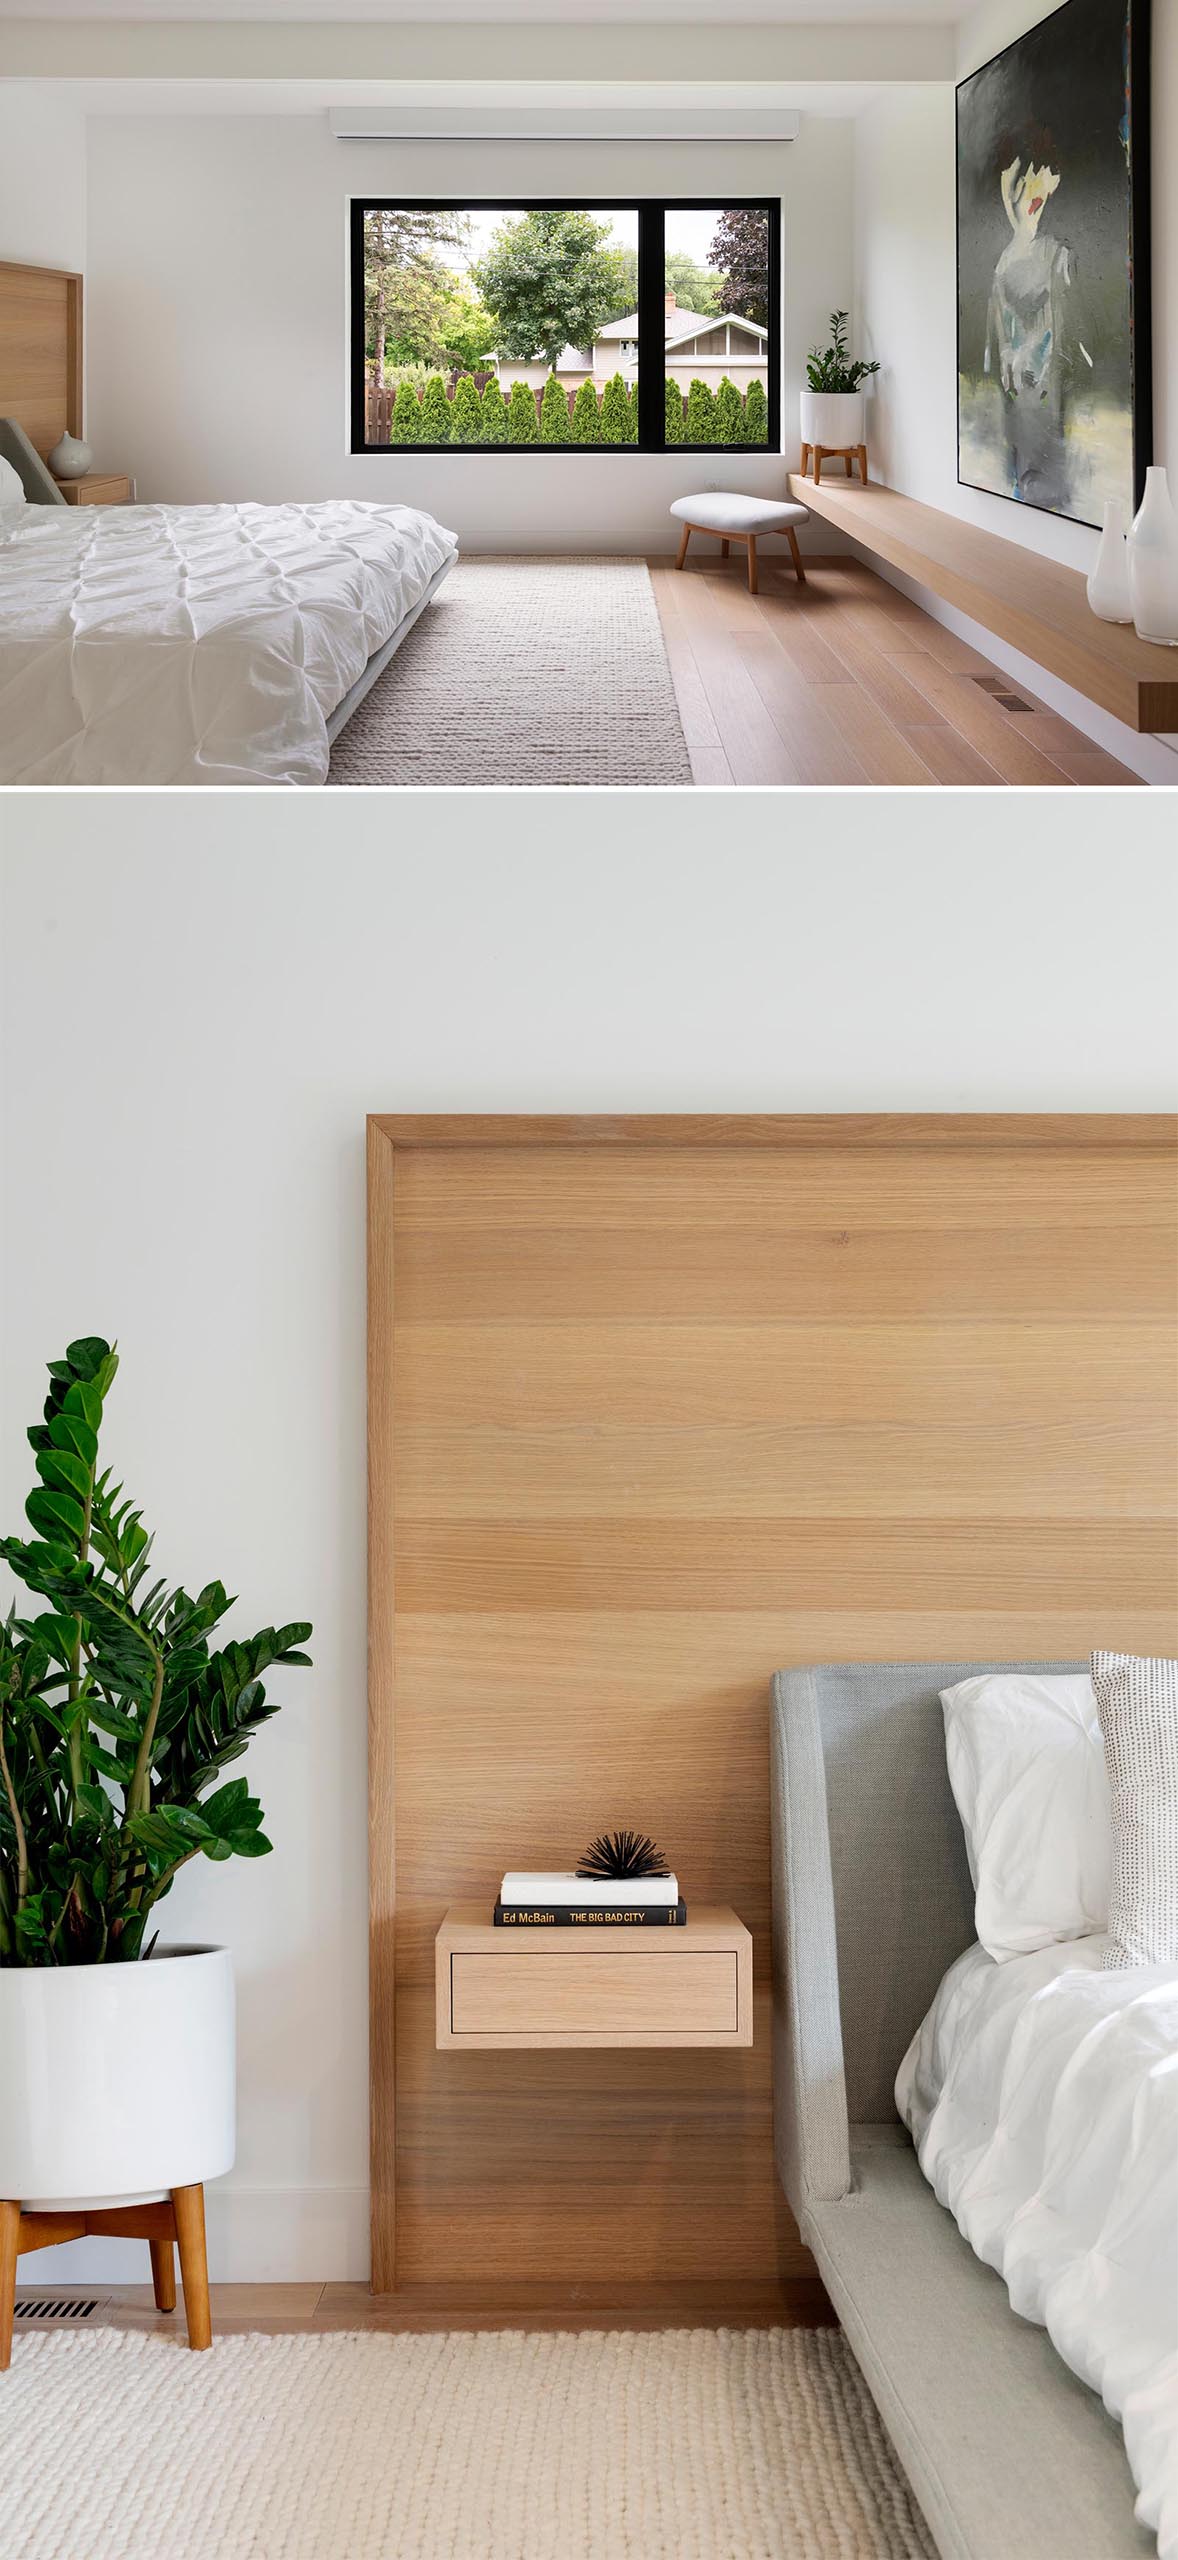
505,1988
1033,604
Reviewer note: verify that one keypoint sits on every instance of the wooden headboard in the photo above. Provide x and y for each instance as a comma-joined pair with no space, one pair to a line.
658,1407
41,352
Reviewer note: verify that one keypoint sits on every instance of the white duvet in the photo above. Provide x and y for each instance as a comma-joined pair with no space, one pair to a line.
1042,2096
195,644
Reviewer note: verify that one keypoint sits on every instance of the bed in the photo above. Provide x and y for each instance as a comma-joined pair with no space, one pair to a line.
1009,2448
214,645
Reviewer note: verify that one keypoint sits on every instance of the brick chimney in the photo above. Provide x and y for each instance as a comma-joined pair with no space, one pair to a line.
669,304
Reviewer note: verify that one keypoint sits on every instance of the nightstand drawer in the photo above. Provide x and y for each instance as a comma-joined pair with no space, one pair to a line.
601,1992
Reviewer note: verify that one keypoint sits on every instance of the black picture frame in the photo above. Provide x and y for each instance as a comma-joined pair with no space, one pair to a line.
1063,25
652,213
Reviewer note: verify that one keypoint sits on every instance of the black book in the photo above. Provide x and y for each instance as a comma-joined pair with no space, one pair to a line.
589,1915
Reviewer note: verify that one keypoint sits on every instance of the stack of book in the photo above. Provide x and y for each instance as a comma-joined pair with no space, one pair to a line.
535,1899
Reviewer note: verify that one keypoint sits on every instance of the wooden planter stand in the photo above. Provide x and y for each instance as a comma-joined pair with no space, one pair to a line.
176,2221
844,453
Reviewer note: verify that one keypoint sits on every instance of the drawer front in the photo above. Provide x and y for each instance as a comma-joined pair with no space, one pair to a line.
629,1992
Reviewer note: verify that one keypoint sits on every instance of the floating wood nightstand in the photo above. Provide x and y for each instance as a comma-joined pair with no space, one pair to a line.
593,1986
98,489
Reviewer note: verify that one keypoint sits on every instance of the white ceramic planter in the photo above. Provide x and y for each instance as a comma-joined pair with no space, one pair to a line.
116,2080
1153,563
832,418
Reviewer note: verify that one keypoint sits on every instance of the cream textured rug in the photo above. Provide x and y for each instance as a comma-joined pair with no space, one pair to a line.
524,672
688,2444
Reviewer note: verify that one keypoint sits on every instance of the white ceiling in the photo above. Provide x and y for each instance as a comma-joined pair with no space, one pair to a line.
807,13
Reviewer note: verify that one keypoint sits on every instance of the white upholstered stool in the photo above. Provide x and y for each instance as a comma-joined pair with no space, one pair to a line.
740,519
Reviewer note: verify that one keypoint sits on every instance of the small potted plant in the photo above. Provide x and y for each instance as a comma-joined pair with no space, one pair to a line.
832,407
118,1717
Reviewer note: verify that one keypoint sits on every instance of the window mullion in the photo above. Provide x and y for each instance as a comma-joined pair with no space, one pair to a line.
652,333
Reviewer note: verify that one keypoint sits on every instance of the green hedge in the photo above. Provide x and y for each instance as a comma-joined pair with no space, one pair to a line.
522,427
701,412
494,413
673,425
466,412
435,412
615,412
727,415
586,427
405,423
554,413
756,414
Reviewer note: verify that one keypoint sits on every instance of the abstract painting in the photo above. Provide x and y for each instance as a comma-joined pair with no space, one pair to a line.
1053,389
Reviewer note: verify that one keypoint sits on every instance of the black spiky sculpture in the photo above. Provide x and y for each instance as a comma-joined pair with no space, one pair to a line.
617,1855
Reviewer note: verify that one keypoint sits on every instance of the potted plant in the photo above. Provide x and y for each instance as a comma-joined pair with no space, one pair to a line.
832,407
118,1717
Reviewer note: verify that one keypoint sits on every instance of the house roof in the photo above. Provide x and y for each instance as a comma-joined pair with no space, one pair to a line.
716,320
686,323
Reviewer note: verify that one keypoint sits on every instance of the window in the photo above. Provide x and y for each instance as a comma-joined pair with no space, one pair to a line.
508,326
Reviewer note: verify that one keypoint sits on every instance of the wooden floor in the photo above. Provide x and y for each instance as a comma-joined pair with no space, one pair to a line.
289,2308
845,682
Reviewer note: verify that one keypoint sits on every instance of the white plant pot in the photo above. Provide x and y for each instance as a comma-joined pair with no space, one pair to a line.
116,2080
832,418
1108,585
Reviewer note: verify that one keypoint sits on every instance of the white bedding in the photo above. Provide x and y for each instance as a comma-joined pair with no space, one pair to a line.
1042,2095
195,644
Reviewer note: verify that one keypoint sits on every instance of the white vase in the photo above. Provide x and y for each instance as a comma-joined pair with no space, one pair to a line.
832,419
1108,586
71,459
1153,563
116,2080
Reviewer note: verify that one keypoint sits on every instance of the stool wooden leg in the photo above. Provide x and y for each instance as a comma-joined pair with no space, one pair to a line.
188,2205
9,2240
724,548
752,552
863,464
163,2274
684,539
797,557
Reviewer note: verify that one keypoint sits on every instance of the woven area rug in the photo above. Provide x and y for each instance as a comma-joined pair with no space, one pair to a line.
739,2444
526,673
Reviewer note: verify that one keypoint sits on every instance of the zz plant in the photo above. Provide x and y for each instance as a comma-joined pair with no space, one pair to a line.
833,368
118,1714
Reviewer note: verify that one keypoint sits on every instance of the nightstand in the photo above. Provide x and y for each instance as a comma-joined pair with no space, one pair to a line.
538,1987
98,489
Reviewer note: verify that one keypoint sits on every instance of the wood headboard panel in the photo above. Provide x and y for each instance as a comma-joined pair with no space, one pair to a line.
41,352
656,1406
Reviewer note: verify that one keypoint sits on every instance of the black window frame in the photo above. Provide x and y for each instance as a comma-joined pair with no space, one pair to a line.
652,213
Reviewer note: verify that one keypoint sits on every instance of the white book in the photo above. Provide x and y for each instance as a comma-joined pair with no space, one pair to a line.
539,1885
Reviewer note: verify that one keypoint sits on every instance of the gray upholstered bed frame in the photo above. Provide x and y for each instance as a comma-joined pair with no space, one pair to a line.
1010,2457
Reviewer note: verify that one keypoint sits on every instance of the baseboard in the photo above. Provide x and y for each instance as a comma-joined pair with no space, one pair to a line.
1155,759
257,2235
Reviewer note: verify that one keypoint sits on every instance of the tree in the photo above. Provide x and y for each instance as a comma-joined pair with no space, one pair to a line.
586,426
405,423
521,415
741,249
700,414
494,412
728,415
466,412
756,414
615,412
673,426
554,413
405,286
553,281
632,405
694,289
467,330
435,412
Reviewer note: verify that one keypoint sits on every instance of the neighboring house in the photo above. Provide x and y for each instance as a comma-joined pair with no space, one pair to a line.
701,346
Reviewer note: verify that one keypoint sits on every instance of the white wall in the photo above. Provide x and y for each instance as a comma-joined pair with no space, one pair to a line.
202,1001
906,301
217,302
42,178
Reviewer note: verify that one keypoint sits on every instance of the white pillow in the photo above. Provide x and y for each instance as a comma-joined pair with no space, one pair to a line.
1137,1701
1027,1769
12,487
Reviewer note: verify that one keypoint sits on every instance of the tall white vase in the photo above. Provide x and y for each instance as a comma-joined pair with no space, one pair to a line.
1153,563
1108,587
